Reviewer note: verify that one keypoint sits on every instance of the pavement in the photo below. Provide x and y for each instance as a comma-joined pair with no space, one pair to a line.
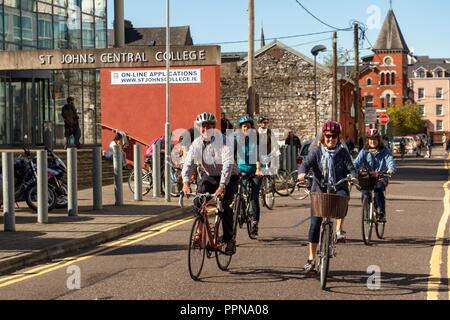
33,243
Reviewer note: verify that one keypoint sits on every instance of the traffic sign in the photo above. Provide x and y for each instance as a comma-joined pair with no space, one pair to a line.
370,115
384,119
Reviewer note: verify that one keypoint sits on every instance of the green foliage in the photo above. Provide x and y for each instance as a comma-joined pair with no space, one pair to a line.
406,119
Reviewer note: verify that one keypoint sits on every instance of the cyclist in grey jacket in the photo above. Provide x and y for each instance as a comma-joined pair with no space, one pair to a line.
221,179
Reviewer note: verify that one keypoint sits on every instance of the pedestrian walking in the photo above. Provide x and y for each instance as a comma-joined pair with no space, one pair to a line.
429,146
444,144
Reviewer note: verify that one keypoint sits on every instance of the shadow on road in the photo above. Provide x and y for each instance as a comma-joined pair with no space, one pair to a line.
391,284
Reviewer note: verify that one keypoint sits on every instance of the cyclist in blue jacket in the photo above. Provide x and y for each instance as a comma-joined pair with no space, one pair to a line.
376,158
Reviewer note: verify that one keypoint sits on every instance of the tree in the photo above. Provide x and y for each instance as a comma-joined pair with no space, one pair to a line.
343,57
406,119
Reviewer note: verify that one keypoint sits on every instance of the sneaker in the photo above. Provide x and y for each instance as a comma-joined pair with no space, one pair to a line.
381,218
230,249
255,228
310,266
340,236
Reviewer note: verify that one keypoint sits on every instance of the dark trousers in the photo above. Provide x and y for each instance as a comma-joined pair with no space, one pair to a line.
255,184
380,201
314,228
209,184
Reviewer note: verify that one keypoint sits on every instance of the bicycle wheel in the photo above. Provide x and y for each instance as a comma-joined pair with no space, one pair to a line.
223,260
366,220
197,248
248,220
379,228
281,185
267,194
325,244
146,181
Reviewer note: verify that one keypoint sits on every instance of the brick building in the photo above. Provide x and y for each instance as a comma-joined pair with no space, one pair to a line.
384,75
284,82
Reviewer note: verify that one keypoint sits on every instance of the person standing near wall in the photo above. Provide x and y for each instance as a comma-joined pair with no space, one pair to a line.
72,131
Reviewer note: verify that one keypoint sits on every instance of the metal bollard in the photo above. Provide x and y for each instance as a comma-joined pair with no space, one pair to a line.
97,178
8,192
118,181
42,186
293,158
72,183
156,162
137,172
289,159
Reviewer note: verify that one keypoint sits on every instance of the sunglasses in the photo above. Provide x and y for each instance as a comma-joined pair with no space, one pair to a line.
331,136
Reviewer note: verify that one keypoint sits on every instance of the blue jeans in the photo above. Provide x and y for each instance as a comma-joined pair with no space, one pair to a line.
255,184
380,201
314,229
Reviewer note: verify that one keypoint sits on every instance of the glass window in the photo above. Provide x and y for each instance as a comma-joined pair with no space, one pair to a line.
89,116
45,30
60,96
439,110
100,8
388,79
76,90
369,101
421,93
388,61
439,125
100,33
88,31
439,93
12,3
382,79
1,30
74,27
60,35
3,111
422,109
439,74
88,6
393,78
29,29
28,5
12,25
421,74
382,103
369,82
61,3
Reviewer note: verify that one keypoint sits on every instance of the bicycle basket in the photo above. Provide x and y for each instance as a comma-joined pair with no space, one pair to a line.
327,205
367,182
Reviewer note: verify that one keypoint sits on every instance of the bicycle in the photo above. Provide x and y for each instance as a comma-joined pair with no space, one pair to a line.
369,211
299,190
267,192
206,237
328,206
242,204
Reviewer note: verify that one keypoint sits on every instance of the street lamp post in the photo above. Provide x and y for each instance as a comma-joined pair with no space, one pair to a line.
167,127
315,51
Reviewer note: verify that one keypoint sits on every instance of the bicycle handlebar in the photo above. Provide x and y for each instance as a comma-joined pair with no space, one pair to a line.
202,196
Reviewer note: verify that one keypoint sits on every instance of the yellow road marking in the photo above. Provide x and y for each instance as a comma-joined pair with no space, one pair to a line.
436,255
108,247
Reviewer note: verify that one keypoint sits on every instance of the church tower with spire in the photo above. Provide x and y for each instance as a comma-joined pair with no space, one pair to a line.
384,75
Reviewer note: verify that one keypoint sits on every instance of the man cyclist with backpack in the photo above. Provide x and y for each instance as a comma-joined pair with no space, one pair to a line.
211,151
376,158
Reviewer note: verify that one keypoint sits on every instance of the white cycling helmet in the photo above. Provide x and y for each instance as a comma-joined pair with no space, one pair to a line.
205,117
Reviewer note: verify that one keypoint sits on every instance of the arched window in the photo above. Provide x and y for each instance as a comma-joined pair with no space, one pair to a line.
388,78
388,100
393,78
382,79
369,82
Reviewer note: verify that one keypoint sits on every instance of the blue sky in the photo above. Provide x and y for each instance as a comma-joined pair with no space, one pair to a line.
424,23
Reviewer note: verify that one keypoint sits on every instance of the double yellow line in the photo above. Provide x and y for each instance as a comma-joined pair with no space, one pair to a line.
105,248
434,281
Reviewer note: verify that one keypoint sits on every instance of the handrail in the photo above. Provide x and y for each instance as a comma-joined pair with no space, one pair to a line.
129,136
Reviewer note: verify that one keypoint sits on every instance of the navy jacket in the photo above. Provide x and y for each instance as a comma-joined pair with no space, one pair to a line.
343,166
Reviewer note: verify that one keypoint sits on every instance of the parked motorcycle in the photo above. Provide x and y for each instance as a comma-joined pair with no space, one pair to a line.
25,182
56,171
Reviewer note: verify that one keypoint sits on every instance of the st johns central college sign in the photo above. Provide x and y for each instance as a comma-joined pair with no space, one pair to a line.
130,57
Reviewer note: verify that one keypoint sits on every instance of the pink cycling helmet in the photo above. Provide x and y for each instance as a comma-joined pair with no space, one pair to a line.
332,126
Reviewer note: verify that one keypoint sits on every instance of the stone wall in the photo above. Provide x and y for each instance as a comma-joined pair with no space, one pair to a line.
284,82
